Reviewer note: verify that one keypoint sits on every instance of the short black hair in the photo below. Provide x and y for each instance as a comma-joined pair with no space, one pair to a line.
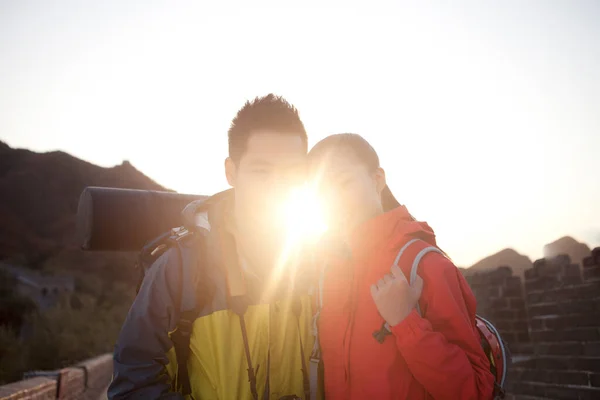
364,152
269,112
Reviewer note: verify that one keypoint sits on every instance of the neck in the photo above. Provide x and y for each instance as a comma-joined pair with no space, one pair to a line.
354,230
253,248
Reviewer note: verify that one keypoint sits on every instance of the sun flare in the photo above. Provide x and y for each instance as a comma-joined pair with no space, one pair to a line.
303,215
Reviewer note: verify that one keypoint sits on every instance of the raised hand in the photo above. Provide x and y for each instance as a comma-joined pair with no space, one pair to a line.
394,297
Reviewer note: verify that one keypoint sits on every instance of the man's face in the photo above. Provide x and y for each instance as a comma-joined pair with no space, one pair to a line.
271,166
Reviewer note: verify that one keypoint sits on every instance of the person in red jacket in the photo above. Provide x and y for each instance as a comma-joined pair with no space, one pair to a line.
436,356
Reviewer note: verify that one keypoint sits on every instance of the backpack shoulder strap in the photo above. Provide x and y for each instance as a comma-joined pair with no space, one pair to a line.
190,248
149,254
415,265
386,329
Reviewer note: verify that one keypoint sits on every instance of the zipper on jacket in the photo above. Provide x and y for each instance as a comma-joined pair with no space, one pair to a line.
348,331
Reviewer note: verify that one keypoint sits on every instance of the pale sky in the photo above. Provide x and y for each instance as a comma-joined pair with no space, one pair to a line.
486,115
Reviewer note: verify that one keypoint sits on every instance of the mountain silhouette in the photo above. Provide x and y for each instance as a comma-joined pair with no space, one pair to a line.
507,257
39,194
519,263
567,245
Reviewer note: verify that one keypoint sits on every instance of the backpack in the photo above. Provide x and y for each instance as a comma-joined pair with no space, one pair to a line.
188,255
495,349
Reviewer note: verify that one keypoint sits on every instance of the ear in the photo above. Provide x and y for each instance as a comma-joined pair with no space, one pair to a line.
230,171
380,182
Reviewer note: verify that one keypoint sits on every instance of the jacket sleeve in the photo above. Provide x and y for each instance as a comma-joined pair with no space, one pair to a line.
443,350
140,356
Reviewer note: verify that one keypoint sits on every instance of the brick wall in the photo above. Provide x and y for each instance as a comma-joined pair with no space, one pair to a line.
500,299
559,309
87,381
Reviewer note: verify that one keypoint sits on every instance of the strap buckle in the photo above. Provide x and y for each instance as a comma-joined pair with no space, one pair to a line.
382,333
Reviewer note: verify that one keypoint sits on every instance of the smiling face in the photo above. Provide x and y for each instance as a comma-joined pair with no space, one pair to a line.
350,190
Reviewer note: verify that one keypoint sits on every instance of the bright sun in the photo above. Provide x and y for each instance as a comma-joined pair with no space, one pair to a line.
303,215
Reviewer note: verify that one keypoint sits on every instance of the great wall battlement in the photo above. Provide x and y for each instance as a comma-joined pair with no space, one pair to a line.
558,356
551,322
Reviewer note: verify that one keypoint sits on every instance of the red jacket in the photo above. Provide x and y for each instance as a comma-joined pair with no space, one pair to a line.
438,356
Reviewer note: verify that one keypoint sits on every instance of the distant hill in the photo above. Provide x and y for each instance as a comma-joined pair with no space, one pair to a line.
567,245
519,263
509,257
39,193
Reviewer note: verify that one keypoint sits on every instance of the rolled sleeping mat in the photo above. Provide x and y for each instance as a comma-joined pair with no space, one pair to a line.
110,219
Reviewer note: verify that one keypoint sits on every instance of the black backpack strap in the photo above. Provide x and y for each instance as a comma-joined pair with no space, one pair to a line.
190,254
190,245
150,253
181,344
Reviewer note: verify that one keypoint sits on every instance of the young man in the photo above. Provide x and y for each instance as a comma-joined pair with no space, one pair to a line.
248,317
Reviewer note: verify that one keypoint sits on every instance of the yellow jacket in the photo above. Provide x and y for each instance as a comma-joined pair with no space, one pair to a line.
278,333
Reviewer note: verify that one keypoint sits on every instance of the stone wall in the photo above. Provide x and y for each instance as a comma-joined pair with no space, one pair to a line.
44,291
87,381
551,323
501,300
